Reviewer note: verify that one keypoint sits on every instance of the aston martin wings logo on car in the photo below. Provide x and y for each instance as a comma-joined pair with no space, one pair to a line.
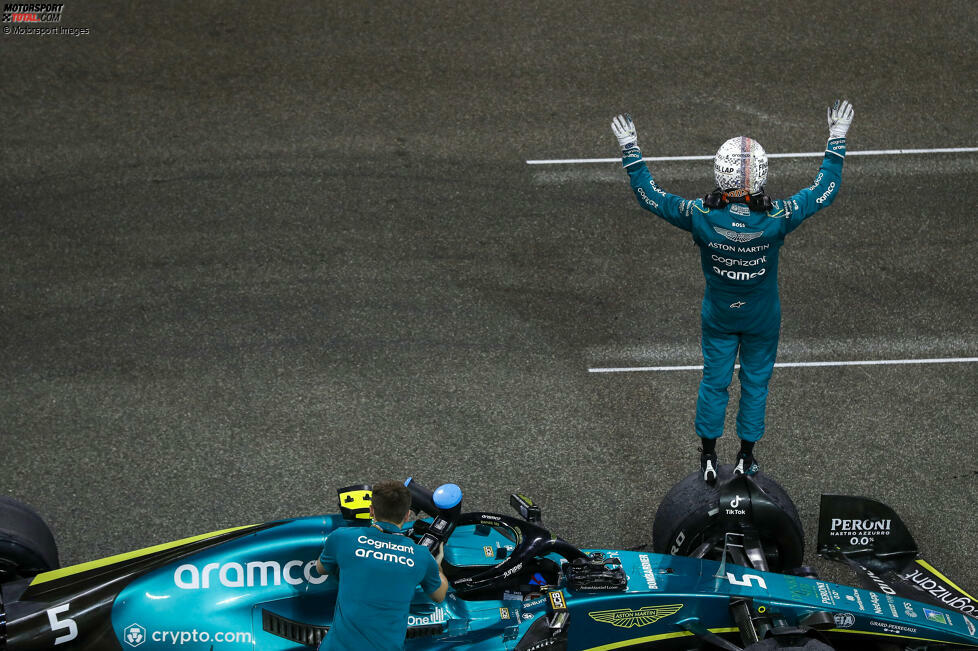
627,618
734,236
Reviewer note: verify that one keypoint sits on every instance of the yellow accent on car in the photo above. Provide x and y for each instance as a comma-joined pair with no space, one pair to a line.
903,637
627,618
930,568
118,558
654,638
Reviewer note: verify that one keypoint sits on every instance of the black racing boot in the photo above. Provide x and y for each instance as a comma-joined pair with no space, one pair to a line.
708,464
746,464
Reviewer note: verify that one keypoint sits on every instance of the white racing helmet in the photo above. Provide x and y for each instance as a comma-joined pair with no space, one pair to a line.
740,167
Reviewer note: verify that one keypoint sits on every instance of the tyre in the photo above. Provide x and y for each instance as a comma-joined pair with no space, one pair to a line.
27,546
688,521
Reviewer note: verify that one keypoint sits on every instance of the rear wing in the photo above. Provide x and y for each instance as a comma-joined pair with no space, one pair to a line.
870,538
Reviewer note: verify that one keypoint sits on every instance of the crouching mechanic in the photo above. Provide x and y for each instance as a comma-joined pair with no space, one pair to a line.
378,568
739,231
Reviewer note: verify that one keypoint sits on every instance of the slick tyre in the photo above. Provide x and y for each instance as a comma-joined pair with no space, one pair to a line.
27,546
688,523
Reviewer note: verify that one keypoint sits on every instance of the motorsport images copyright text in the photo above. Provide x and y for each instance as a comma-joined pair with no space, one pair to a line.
36,19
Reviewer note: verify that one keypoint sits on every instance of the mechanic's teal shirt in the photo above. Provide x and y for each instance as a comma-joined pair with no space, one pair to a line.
378,573
739,247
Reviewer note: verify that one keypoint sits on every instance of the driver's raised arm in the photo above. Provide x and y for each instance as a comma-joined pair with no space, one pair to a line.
670,207
434,583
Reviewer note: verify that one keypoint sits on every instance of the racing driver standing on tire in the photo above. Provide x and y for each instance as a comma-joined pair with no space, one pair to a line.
739,231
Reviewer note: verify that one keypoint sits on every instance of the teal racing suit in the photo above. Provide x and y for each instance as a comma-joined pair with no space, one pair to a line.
741,308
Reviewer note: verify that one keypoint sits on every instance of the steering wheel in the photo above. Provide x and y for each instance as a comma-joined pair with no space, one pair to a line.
444,503
531,541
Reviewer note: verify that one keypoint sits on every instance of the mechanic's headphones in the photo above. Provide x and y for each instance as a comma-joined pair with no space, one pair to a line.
756,202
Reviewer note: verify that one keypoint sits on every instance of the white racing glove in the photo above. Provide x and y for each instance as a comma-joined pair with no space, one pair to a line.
840,118
624,130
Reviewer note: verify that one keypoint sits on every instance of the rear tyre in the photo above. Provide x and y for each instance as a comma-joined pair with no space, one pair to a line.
27,545
688,521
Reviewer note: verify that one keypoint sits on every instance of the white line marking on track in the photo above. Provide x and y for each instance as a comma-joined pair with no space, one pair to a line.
870,362
805,154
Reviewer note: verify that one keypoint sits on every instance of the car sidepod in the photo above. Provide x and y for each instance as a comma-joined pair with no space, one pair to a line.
239,595
71,607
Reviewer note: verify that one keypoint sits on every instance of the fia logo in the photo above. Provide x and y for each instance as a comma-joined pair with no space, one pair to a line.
844,620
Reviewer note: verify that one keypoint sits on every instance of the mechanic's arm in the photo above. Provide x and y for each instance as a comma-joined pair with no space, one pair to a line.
670,207
823,191
434,576
326,563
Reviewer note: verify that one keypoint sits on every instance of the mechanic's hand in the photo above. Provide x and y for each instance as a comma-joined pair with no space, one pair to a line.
840,117
624,130
440,554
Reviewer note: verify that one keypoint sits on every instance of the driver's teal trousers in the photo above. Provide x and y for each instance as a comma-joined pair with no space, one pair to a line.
752,330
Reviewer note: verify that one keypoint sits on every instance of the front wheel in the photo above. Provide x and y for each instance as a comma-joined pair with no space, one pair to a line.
27,546
688,522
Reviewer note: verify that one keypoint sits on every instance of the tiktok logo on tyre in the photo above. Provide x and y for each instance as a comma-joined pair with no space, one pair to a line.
134,635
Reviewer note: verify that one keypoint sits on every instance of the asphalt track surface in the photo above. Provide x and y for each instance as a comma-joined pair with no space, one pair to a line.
253,252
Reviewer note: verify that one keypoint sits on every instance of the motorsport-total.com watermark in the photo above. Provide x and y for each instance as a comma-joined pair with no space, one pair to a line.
36,19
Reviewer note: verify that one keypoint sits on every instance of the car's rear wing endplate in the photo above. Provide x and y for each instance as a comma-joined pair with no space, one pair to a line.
870,538
859,526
